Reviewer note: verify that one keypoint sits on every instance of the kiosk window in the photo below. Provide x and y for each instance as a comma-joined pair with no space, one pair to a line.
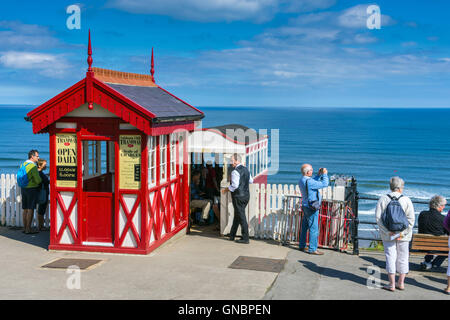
163,158
173,155
151,161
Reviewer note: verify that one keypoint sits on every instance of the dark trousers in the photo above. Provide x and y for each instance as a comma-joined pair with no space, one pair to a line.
239,205
437,261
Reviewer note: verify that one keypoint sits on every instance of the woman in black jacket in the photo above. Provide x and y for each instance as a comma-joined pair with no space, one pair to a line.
42,208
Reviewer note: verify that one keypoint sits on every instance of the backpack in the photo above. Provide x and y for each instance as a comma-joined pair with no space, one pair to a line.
394,217
22,176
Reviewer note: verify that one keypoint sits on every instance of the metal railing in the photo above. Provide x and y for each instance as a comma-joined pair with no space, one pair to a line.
374,198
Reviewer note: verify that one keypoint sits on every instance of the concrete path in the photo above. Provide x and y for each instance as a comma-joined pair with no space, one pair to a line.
341,276
192,267
196,267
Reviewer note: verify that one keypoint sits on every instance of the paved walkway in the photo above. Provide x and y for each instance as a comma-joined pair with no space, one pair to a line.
340,276
196,267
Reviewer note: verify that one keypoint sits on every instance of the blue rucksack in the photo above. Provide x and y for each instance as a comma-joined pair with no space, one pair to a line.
394,217
22,176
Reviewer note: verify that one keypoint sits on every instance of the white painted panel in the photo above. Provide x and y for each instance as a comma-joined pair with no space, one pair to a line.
67,198
122,220
163,229
137,220
130,200
101,244
66,125
152,236
129,240
97,112
152,197
211,141
59,217
127,126
67,237
74,217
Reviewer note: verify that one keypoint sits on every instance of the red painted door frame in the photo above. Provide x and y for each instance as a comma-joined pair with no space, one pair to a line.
104,132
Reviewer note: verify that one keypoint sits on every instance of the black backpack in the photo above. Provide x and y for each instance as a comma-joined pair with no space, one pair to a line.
394,217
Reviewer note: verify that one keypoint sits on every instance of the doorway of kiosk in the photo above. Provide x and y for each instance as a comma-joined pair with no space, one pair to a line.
98,158
206,176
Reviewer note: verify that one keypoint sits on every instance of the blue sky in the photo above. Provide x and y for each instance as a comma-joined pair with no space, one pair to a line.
314,53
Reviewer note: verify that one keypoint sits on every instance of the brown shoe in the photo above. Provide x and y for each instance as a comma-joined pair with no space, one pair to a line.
317,253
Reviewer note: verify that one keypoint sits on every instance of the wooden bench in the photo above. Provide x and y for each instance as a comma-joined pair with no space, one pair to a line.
423,244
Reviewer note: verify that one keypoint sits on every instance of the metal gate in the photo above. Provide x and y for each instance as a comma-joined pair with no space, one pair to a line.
335,223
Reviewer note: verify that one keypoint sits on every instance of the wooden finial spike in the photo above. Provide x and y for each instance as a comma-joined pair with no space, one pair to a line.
89,59
152,70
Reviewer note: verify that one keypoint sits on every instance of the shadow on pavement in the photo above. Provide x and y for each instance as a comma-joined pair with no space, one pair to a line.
333,273
381,263
41,239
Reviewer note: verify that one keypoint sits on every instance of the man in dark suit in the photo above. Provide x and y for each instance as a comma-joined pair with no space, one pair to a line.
240,194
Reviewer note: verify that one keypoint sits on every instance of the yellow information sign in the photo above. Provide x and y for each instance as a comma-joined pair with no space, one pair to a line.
130,162
66,160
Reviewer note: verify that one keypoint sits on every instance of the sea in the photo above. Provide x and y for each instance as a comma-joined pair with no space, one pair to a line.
369,144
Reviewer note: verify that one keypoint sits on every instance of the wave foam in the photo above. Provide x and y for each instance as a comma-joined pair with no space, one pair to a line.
412,193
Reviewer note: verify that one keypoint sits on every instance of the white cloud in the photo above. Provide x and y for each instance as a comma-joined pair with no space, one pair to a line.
20,36
49,65
356,17
311,50
219,10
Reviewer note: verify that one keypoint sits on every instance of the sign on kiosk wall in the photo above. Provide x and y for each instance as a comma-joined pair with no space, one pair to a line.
130,162
66,160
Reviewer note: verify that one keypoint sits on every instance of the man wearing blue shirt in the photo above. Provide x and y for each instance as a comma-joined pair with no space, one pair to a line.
309,188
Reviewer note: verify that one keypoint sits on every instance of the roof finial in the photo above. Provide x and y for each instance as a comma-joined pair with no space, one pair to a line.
89,59
152,70
89,76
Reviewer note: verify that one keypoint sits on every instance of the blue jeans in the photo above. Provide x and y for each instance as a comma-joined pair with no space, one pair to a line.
309,222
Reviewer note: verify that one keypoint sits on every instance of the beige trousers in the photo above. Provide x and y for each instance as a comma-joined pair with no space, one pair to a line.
205,205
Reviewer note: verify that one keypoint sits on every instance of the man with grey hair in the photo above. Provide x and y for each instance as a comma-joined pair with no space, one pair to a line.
396,244
309,188
432,222
240,195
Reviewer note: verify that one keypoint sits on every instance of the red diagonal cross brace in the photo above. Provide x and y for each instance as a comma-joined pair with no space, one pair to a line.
66,220
129,223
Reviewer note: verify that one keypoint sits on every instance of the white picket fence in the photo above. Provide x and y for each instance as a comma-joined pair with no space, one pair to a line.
265,214
11,213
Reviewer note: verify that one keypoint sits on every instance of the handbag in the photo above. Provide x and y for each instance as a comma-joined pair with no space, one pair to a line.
313,204
42,198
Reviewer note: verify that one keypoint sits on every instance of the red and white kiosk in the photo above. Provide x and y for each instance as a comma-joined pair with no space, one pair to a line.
119,182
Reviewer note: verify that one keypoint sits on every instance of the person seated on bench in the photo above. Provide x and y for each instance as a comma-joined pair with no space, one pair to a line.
432,222
198,197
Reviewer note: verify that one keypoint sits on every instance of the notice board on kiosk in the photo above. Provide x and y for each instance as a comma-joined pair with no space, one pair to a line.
130,162
66,160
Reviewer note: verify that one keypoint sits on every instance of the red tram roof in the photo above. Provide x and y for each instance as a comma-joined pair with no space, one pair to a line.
135,98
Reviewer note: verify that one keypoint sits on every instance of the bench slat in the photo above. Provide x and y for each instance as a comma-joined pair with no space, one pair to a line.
423,253
429,248
424,235
434,244
445,242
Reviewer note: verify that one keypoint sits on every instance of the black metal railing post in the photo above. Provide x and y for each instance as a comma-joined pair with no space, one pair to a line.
355,199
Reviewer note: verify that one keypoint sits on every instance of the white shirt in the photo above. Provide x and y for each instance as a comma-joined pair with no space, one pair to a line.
235,177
